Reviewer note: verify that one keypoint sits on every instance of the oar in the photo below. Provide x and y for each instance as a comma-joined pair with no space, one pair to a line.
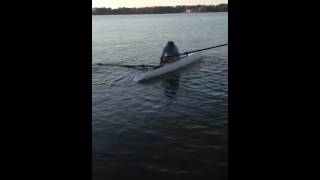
154,66
188,52
128,66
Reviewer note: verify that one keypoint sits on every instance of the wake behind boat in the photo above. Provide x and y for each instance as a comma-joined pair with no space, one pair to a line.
170,67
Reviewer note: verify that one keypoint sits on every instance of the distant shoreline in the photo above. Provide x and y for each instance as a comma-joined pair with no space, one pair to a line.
161,10
158,13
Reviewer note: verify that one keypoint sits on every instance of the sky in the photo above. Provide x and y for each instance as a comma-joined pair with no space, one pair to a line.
145,3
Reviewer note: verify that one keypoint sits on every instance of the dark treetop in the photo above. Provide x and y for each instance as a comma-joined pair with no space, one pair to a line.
161,9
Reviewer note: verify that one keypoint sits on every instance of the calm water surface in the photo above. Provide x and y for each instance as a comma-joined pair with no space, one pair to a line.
174,126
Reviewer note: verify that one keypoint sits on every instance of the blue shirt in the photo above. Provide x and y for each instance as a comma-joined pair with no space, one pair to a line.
170,51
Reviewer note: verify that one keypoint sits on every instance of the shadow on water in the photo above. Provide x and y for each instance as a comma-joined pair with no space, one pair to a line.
171,85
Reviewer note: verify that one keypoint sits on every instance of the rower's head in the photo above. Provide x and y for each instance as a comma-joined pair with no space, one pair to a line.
170,44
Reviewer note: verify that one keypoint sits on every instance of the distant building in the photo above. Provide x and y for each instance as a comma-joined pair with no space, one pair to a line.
188,11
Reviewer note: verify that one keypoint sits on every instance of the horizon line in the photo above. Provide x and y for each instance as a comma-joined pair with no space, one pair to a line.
164,6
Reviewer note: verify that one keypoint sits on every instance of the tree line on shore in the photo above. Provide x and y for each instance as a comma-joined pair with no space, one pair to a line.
161,9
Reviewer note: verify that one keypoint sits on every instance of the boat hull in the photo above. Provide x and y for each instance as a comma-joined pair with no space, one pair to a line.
167,68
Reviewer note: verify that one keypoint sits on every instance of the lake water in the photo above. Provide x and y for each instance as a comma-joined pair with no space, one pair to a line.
174,126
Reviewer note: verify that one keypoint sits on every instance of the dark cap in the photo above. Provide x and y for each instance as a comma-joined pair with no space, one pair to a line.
170,43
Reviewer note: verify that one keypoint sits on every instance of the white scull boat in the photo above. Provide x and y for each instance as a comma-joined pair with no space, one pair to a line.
184,61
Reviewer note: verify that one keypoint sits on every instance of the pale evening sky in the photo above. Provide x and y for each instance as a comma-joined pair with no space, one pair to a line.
145,3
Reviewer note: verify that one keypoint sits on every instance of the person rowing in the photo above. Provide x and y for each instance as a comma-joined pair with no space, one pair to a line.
170,53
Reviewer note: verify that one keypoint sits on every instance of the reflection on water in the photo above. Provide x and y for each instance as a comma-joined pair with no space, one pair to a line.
171,85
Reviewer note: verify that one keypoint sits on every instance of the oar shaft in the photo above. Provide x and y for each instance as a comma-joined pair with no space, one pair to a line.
188,52
128,66
204,49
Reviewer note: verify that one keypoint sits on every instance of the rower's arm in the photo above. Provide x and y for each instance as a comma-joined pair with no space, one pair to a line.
163,52
177,50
